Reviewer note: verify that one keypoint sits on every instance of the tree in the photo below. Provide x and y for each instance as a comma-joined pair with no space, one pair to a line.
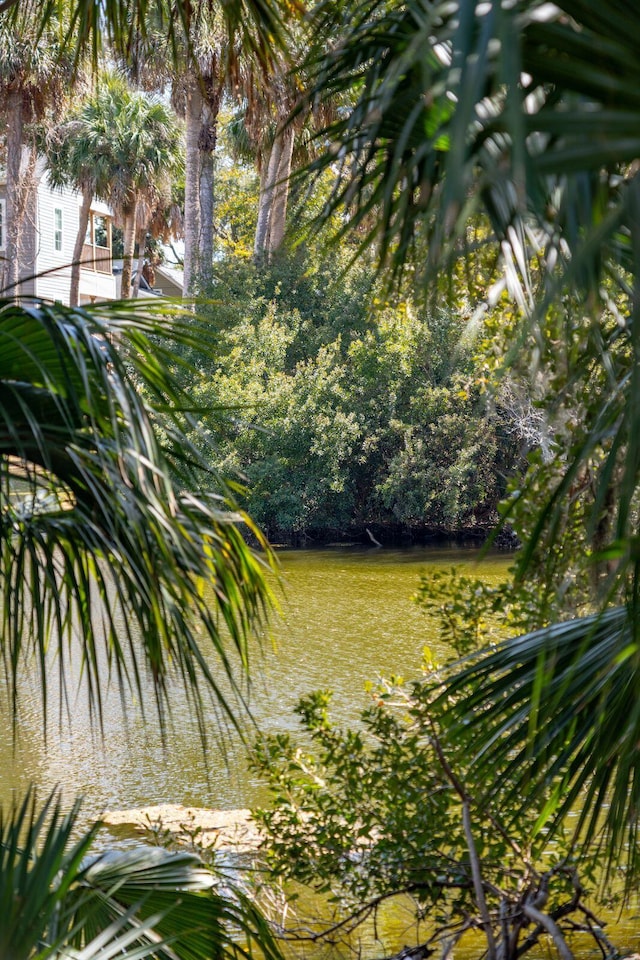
146,147
355,411
35,74
213,53
521,113
275,129
80,154
386,813
274,139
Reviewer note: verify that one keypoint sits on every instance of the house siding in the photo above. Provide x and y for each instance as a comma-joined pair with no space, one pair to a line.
54,270
46,272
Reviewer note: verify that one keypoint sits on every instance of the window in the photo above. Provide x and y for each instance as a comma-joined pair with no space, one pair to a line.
100,231
3,222
57,229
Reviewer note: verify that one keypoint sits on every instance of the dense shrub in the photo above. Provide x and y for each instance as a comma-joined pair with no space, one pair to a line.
346,410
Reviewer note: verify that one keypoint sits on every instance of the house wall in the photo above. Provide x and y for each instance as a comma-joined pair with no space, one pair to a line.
96,286
53,266
47,271
171,286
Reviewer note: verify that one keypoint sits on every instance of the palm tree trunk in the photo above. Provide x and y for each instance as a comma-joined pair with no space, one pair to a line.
207,143
14,148
83,221
192,185
142,236
129,216
278,219
266,201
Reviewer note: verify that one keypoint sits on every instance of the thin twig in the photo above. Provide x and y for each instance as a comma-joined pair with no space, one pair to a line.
471,846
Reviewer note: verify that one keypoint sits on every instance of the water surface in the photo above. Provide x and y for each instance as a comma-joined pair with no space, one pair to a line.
347,617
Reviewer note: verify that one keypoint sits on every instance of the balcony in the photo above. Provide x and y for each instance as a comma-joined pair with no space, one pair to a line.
96,258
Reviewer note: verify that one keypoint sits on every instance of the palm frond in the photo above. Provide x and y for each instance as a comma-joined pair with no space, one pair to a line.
261,23
58,902
457,109
175,891
553,721
38,863
119,547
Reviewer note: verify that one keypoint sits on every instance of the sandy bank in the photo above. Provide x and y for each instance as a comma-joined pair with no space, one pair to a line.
224,829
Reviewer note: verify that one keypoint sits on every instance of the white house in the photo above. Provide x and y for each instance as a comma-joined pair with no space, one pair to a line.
49,235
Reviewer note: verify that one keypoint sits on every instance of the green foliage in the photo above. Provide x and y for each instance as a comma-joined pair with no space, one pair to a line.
387,810
581,676
469,611
58,902
117,143
350,409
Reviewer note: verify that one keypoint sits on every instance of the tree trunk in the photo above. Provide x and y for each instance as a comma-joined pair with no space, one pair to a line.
192,185
207,143
129,217
264,213
14,147
142,239
83,221
278,219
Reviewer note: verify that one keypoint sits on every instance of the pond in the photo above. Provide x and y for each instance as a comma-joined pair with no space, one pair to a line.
347,616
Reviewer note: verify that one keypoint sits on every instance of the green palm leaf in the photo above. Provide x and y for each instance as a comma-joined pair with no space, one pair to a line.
107,557
38,863
459,110
143,902
261,22
553,721
174,891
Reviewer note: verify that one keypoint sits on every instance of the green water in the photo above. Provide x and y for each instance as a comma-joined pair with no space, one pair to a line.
347,616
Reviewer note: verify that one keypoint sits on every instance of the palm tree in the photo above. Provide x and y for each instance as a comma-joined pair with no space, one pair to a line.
523,114
148,153
267,131
79,154
274,137
210,54
35,76
196,64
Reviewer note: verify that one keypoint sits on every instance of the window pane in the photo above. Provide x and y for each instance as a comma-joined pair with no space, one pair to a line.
57,228
100,231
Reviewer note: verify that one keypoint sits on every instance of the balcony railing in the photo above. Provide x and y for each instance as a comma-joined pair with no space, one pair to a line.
96,258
